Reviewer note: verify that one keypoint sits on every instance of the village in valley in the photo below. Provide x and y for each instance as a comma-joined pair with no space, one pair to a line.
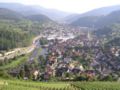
60,45
70,54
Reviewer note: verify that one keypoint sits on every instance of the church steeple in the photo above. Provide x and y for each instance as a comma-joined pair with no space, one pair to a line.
89,36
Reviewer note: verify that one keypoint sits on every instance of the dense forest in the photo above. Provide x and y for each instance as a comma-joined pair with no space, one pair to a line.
11,37
17,30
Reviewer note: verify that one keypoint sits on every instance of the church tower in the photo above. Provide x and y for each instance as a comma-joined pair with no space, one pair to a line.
89,36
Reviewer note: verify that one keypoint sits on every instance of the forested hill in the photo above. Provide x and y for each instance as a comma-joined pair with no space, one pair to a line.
34,10
11,37
39,18
110,35
98,21
88,21
17,30
9,14
95,12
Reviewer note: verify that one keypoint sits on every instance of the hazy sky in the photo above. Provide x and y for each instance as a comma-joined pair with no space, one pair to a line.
78,6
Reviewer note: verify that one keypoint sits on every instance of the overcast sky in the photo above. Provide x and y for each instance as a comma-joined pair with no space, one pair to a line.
76,6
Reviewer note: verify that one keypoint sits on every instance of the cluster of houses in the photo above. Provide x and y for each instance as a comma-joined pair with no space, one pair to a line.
72,53
60,58
95,60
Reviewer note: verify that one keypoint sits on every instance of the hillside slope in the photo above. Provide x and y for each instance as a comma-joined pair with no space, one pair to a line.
98,21
10,15
17,30
96,12
35,10
39,18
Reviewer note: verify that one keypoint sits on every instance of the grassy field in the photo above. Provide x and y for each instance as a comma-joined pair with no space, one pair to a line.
97,85
29,85
14,63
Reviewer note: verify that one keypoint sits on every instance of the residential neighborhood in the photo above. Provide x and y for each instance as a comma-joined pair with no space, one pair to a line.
67,54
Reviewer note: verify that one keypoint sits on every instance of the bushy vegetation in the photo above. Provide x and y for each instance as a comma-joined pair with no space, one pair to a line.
43,41
9,64
4,74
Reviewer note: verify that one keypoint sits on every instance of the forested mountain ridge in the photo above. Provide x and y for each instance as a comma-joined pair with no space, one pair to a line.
27,10
98,21
39,18
110,19
88,21
95,12
10,15
17,30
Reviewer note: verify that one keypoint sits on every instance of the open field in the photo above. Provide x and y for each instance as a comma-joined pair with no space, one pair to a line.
97,85
29,85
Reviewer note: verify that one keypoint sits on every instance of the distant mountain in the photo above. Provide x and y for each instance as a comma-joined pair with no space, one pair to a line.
51,13
71,18
34,10
87,21
10,15
39,18
96,12
102,11
98,21
6,14
110,19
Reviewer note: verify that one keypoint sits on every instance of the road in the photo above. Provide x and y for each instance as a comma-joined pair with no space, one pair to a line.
20,51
